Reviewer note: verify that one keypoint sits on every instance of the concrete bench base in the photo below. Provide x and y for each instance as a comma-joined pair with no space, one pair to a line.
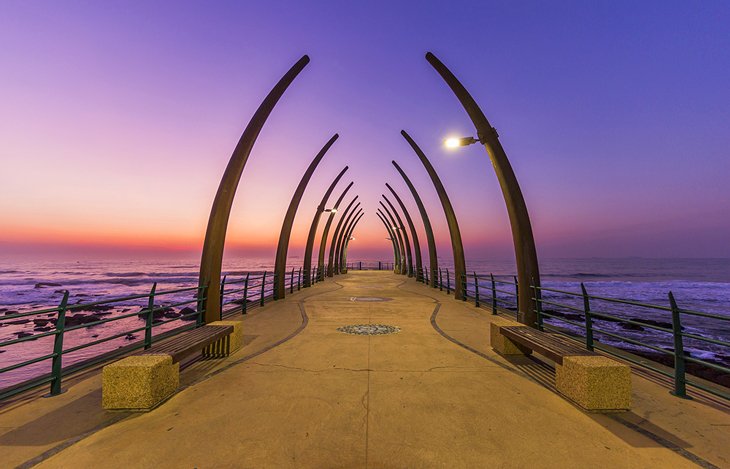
139,383
227,345
502,344
596,383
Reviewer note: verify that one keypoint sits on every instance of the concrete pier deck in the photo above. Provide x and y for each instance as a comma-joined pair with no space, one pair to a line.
302,394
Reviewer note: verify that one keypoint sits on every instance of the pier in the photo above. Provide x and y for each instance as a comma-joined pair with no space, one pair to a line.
301,393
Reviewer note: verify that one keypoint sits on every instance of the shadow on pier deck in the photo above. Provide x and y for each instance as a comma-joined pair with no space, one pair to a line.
302,394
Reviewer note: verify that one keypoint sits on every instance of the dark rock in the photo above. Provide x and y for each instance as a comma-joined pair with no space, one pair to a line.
158,313
22,334
95,336
40,322
651,322
188,314
9,312
631,327
3,351
47,284
18,321
2,310
97,308
42,329
130,337
78,319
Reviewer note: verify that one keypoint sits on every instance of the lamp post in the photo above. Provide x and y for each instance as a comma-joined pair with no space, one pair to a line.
432,257
326,230
528,273
402,229
336,237
414,234
286,226
455,234
313,228
211,260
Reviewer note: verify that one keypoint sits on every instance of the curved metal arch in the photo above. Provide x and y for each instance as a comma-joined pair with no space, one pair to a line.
409,257
283,246
343,260
391,238
397,229
211,260
414,234
313,229
336,237
528,271
325,233
398,244
432,257
455,234
338,246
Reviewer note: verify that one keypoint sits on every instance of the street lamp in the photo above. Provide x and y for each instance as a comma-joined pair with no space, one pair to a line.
456,142
330,210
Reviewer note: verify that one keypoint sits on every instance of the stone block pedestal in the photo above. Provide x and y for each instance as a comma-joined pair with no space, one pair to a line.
596,383
139,383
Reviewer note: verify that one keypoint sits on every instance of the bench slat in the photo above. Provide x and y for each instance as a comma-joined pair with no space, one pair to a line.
549,345
189,342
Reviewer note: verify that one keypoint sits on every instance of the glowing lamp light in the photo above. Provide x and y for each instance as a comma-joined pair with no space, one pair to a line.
456,142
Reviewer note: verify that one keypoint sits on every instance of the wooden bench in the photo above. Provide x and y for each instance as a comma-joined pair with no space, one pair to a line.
593,381
203,339
143,381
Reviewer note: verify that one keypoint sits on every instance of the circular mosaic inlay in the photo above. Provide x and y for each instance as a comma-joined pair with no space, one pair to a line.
369,298
369,329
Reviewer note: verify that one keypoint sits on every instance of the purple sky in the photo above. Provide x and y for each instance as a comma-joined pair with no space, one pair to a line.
118,118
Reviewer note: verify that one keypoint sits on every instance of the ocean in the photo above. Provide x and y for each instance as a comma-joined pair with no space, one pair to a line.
697,284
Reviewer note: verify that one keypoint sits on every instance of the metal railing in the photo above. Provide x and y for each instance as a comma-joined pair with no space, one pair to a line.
127,324
583,317
369,265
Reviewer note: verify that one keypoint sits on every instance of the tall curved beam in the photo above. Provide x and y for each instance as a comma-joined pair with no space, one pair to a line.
313,229
455,234
211,260
340,238
391,238
409,258
397,229
336,236
414,234
283,247
341,241
326,231
343,260
398,245
432,258
528,271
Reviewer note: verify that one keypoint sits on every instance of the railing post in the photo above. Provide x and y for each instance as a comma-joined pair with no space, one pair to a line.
57,362
244,308
537,295
476,290
291,281
494,295
223,286
202,291
150,316
589,319
299,279
441,280
448,282
517,295
263,287
680,383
